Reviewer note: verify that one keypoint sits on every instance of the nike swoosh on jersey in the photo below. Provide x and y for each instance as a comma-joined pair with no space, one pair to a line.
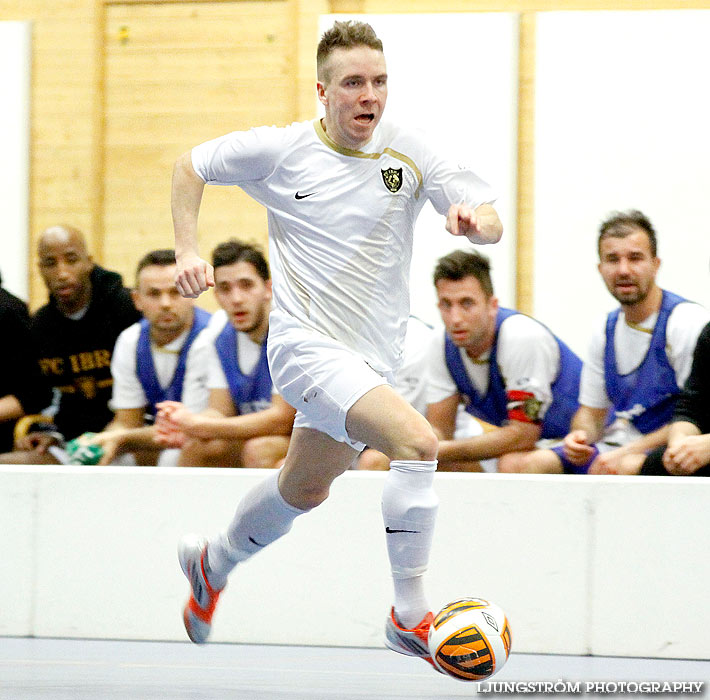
390,531
298,195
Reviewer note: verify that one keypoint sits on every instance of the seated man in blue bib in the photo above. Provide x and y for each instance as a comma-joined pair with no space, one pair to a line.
149,360
246,424
688,449
508,369
638,360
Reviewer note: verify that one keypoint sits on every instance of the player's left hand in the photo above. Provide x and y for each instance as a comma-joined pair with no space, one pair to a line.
462,221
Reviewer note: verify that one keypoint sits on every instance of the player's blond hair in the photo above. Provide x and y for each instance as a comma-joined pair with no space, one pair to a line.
343,35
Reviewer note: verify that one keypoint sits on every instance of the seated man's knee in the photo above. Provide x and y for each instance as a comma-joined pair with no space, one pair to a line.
265,452
28,457
631,464
534,462
207,453
512,463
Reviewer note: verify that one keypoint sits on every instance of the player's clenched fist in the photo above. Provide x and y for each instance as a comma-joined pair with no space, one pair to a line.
480,225
461,220
194,275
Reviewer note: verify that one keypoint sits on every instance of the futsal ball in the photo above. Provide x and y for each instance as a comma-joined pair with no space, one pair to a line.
470,639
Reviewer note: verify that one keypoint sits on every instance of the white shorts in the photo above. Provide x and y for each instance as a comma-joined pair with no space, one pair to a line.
320,377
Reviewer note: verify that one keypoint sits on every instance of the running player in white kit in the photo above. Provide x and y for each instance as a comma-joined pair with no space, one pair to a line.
342,195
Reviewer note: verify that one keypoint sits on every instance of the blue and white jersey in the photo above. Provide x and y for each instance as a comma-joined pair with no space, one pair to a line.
145,374
647,395
248,380
636,370
549,399
145,366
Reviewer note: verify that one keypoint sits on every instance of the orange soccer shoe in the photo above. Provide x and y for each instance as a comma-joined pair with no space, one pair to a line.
197,614
412,642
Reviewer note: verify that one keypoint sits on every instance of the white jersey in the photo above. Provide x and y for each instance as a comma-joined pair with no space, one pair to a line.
341,223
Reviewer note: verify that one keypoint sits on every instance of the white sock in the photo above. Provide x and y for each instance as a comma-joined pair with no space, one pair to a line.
409,505
262,517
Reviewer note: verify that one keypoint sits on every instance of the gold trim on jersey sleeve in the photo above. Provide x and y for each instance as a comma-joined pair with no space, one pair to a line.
323,136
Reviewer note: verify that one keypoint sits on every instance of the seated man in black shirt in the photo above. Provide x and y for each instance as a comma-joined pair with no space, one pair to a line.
75,333
22,390
688,450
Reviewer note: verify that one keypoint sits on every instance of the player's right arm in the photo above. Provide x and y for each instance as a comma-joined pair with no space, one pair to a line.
194,275
586,429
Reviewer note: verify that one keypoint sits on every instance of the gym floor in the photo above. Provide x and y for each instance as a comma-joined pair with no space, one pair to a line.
62,669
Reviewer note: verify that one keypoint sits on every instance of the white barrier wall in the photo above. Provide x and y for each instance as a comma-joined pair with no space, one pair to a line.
596,565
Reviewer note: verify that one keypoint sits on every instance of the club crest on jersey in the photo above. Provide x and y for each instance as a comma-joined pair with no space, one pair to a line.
392,177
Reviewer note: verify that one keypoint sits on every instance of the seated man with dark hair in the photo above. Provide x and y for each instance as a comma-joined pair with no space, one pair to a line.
508,369
74,333
637,361
246,424
149,360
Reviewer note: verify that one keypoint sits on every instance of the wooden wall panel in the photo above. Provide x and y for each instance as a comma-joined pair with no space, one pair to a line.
412,6
306,14
525,214
64,139
178,74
